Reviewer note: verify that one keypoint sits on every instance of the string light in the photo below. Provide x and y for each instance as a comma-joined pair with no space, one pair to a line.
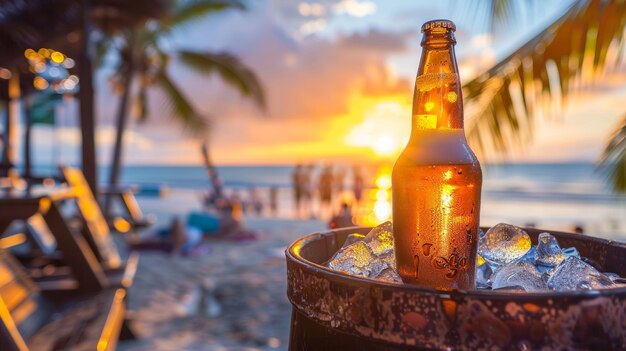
50,67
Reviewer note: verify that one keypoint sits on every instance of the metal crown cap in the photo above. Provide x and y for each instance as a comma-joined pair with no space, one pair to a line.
440,23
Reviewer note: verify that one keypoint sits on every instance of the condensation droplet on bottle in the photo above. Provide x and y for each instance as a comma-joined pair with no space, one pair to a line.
426,249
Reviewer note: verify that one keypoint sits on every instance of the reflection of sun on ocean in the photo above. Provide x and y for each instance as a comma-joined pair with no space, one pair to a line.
384,126
378,208
382,130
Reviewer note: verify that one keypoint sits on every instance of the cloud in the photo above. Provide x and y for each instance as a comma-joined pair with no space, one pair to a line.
308,82
355,8
62,144
375,39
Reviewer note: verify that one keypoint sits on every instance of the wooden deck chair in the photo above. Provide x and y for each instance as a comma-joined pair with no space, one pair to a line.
96,229
31,320
38,228
76,252
63,255
38,231
132,218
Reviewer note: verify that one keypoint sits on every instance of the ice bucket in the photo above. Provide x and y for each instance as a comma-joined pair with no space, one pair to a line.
335,311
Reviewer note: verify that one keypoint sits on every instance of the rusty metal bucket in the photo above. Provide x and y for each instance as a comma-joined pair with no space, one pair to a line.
334,311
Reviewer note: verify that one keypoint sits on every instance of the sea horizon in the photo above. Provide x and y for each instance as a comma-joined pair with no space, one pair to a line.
559,196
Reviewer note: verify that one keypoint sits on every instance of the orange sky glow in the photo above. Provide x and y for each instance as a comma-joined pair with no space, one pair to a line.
338,79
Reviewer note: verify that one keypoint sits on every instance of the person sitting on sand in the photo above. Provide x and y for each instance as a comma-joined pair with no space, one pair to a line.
181,238
342,219
175,239
225,223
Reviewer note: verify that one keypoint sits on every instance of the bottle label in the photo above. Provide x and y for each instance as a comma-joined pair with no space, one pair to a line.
425,121
430,81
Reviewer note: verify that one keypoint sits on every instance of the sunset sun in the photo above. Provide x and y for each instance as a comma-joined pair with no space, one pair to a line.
383,126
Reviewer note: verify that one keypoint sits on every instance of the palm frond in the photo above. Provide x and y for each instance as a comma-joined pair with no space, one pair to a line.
180,107
613,161
536,78
230,69
113,16
493,14
501,12
192,10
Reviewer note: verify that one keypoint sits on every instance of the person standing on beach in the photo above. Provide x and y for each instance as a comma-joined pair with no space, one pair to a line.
255,204
357,184
339,178
307,190
274,201
296,182
326,190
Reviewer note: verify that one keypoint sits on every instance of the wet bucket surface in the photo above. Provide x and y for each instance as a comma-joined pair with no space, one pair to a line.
335,311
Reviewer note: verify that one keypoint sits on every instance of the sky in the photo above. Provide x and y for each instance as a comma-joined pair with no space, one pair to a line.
338,76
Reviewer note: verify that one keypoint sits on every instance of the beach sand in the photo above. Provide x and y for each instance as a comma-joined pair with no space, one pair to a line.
248,280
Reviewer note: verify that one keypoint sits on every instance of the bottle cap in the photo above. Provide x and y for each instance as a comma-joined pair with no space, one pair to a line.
440,23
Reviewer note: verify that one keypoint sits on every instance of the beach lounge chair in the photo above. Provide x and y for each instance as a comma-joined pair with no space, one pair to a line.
51,234
132,218
95,229
32,320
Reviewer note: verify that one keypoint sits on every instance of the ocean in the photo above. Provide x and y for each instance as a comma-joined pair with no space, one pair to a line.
549,196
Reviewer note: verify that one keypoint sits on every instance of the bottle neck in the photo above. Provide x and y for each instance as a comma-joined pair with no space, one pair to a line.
437,101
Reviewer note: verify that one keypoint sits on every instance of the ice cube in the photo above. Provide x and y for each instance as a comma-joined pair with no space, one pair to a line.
483,273
514,288
380,239
352,238
612,276
529,256
574,274
616,278
549,252
518,273
503,243
368,257
354,259
389,275
571,251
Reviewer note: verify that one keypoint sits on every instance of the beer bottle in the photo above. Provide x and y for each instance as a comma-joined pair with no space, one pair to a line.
436,180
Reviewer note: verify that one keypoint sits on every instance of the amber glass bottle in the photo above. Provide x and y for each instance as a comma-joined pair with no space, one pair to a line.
436,181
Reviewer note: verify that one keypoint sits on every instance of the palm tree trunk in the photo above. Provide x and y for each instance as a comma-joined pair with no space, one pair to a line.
13,111
122,119
28,174
212,172
86,98
5,163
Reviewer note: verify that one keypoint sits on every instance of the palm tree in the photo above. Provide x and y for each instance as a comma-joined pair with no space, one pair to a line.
504,101
142,58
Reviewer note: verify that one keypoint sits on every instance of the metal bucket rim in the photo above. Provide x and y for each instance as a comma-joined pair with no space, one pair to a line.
292,253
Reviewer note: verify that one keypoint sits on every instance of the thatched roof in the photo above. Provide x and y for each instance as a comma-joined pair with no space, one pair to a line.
58,23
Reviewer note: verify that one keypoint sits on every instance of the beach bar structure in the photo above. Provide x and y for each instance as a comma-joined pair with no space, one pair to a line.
66,26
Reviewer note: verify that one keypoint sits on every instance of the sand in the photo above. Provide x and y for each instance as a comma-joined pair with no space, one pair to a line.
170,300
